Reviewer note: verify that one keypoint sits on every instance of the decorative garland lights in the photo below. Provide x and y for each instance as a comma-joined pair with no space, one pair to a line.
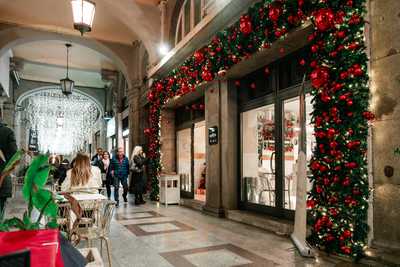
338,74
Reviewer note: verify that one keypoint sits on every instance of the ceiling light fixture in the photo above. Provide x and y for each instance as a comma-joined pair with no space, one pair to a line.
163,49
67,85
83,13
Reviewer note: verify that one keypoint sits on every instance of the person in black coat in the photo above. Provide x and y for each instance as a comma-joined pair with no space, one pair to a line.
61,171
138,162
8,147
106,172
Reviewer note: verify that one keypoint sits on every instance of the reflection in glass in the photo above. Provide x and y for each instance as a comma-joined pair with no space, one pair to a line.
258,156
291,134
183,140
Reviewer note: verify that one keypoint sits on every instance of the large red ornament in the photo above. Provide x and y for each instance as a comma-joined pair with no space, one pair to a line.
198,57
207,75
324,19
274,13
319,77
245,25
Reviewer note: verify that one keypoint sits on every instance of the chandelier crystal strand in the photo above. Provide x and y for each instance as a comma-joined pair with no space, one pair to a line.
63,123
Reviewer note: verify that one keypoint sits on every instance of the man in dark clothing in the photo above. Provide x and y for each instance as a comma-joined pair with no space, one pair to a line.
8,147
120,170
98,157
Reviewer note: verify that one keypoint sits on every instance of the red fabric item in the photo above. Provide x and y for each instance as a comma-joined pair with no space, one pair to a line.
44,246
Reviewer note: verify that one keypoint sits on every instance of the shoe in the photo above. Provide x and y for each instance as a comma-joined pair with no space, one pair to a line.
117,205
137,202
142,202
125,199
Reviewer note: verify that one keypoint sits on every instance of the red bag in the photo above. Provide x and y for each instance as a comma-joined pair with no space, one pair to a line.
44,246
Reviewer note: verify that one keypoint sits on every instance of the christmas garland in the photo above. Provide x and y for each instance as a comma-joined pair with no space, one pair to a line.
338,74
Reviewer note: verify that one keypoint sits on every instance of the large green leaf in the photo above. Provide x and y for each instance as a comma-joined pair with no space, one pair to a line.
13,161
35,175
43,201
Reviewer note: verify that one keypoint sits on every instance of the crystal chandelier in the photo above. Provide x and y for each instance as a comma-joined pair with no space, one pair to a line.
64,125
67,84
83,13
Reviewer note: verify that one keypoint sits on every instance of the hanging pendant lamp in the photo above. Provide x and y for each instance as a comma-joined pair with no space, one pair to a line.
67,85
83,13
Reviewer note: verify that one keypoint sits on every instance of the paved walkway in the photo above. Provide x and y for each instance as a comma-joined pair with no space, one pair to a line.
154,236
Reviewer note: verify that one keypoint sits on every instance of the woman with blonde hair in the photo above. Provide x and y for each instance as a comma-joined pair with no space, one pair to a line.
82,177
138,160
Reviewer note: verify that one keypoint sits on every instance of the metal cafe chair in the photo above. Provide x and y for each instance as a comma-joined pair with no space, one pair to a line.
101,229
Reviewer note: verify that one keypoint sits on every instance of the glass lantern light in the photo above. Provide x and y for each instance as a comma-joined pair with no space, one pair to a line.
67,85
83,13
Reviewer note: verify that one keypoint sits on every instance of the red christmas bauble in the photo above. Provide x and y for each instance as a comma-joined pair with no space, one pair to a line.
331,132
198,57
207,75
333,212
253,86
314,48
324,19
267,71
341,34
319,77
274,13
346,181
245,25
344,75
311,203
237,83
302,62
368,115
159,87
150,96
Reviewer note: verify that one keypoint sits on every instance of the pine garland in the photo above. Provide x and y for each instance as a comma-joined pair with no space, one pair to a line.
338,73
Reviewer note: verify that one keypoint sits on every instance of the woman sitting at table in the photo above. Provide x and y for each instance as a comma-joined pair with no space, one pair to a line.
82,177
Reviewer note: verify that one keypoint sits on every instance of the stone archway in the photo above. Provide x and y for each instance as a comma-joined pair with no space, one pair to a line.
62,124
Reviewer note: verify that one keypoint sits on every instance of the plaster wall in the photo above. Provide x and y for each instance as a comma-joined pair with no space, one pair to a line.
385,88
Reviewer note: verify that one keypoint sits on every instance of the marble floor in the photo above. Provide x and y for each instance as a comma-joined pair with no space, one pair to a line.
151,235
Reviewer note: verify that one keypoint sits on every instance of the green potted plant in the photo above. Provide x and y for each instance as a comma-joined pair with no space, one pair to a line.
34,193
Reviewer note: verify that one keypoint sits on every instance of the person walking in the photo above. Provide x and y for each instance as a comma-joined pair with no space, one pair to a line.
8,147
138,161
96,159
106,173
120,171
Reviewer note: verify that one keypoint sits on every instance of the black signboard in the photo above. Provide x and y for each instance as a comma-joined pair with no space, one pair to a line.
33,140
213,135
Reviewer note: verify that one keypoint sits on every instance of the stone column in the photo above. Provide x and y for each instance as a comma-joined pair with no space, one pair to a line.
213,118
168,141
163,11
229,145
134,114
385,84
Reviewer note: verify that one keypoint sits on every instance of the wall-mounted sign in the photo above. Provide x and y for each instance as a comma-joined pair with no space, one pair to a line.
33,141
397,151
213,135
111,127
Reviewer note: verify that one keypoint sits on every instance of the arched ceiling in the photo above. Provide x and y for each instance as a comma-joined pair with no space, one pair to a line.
120,21
46,61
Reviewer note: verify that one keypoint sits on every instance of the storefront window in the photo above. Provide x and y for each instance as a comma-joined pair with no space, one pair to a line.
184,158
258,160
291,135
199,160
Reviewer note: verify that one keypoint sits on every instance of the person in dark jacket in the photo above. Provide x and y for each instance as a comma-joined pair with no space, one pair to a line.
61,171
138,161
120,171
106,174
96,159
8,147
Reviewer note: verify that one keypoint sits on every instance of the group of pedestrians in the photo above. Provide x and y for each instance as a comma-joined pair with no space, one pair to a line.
116,170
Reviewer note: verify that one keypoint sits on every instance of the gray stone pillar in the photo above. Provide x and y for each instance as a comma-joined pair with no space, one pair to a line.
134,114
168,141
229,145
213,118
385,84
